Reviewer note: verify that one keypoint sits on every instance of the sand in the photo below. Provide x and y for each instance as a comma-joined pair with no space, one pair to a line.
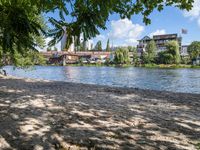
48,115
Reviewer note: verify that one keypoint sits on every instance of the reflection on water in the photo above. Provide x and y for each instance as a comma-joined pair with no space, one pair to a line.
176,80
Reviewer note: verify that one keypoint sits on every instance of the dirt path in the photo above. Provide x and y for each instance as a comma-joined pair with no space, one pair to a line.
44,115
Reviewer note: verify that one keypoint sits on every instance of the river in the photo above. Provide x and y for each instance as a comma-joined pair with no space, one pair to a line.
176,80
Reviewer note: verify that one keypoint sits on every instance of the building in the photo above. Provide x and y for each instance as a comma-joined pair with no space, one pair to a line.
63,44
87,45
143,43
184,51
160,41
63,57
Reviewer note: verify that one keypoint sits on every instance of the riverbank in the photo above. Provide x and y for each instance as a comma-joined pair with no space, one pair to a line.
37,114
158,66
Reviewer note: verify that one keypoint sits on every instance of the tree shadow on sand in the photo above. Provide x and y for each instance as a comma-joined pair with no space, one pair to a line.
58,115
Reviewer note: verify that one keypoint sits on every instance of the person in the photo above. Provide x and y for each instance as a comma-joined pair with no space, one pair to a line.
3,72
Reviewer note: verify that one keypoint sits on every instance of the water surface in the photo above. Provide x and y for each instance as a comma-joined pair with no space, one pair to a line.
176,80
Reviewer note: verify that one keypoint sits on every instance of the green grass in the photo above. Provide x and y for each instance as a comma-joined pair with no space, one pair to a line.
170,66
100,65
89,65
159,66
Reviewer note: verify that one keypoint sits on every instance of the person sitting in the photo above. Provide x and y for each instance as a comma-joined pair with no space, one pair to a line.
4,72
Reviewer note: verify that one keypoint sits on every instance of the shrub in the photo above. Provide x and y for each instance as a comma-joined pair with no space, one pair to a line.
194,50
121,56
149,55
165,58
173,49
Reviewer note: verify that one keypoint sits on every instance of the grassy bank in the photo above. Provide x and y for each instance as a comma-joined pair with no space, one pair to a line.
175,66
161,66
100,65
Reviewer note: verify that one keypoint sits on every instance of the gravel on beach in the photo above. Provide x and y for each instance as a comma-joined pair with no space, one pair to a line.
49,115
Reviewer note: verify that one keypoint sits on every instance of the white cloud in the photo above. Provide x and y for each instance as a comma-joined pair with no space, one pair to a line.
131,41
122,32
124,28
126,31
158,32
194,14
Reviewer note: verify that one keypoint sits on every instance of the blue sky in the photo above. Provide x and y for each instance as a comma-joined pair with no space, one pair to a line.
170,20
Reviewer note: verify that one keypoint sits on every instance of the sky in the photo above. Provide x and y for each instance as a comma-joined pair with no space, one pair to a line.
125,32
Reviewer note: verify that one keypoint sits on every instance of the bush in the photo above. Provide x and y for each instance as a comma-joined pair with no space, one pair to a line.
194,50
185,60
171,55
121,56
165,58
173,49
30,59
148,57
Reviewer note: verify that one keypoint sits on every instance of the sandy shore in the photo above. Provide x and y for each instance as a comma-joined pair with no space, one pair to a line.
47,115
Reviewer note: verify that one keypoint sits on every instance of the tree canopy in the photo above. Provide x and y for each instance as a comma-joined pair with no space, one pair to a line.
171,55
98,46
20,23
150,53
173,49
88,16
122,56
21,29
108,46
194,50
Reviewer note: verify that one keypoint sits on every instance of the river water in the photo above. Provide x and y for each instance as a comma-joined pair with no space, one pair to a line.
176,80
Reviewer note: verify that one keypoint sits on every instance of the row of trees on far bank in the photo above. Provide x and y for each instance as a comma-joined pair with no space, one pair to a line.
98,47
22,21
171,55
194,50
52,49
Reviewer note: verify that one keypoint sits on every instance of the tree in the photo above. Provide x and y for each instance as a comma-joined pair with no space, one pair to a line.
173,49
19,19
91,16
55,49
151,50
30,59
121,56
150,54
21,28
136,60
108,46
131,48
165,58
194,50
20,23
98,46
81,47
48,49
91,48
171,55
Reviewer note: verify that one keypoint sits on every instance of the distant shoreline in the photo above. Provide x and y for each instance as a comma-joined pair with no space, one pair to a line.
160,66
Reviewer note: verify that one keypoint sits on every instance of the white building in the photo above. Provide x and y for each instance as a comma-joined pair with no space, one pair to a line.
184,51
63,44
87,44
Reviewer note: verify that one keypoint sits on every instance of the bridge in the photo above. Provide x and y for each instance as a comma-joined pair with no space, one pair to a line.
63,58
